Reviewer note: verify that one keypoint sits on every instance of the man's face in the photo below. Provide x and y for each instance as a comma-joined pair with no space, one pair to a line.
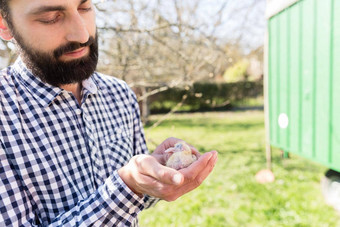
56,39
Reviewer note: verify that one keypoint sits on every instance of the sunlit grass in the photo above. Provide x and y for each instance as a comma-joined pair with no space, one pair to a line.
231,196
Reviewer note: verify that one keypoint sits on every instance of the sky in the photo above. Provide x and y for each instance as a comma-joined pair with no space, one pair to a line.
243,20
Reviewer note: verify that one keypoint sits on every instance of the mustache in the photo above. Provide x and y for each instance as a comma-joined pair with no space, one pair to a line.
71,46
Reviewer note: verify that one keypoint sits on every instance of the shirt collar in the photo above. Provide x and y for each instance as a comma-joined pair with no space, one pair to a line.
43,92
90,85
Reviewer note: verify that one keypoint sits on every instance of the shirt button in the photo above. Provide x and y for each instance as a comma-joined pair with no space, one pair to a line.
78,111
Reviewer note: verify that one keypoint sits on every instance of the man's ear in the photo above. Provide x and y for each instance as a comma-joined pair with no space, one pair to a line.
5,33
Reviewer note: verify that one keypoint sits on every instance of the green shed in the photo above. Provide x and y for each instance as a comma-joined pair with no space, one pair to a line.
302,79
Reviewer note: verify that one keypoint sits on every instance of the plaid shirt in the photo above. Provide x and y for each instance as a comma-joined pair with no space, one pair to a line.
59,159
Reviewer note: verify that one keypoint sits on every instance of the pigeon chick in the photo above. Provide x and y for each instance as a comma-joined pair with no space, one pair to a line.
180,156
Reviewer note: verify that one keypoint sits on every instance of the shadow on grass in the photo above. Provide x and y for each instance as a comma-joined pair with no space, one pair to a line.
300,166
222,126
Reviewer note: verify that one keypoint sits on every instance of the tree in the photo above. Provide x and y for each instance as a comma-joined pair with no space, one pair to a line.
154,44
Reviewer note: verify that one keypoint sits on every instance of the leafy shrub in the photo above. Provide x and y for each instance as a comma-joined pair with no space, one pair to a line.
237,72
205,96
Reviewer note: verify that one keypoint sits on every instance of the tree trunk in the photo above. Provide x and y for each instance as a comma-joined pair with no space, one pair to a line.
145,106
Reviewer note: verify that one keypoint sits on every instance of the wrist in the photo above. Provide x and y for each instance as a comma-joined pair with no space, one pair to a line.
128,180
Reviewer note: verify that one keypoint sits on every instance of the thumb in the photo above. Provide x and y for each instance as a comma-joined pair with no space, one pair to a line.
163,174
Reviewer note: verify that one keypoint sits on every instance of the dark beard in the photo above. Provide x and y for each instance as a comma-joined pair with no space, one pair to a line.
49,69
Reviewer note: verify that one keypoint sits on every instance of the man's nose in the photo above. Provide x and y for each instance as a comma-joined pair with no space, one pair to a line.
77,30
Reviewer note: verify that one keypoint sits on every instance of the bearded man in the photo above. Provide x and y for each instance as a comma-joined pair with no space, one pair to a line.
72,146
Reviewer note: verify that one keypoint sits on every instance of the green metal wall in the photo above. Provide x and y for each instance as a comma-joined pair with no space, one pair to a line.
304,80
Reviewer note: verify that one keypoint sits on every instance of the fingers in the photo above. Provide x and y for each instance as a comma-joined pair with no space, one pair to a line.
169,150
194,175
171,141
145,175
197,172
161,158
195,152
168,153
206,171
165,149
149,166
168,143
196,167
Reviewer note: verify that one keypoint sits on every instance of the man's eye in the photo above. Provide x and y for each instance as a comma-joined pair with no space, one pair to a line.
85,9
53,21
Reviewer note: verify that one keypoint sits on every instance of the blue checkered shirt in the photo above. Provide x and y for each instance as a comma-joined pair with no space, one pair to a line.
59,159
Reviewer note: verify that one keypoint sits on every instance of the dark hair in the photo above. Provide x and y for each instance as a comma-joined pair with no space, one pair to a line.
5,12
4,9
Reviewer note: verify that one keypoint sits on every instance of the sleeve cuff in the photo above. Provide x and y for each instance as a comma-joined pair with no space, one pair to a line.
122,198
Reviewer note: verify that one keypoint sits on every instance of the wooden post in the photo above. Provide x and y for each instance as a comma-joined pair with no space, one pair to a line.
266,99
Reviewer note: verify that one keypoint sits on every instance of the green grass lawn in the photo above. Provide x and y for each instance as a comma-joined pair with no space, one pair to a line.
230,196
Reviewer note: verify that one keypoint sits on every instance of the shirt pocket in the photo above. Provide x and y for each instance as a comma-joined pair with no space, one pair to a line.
119,148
